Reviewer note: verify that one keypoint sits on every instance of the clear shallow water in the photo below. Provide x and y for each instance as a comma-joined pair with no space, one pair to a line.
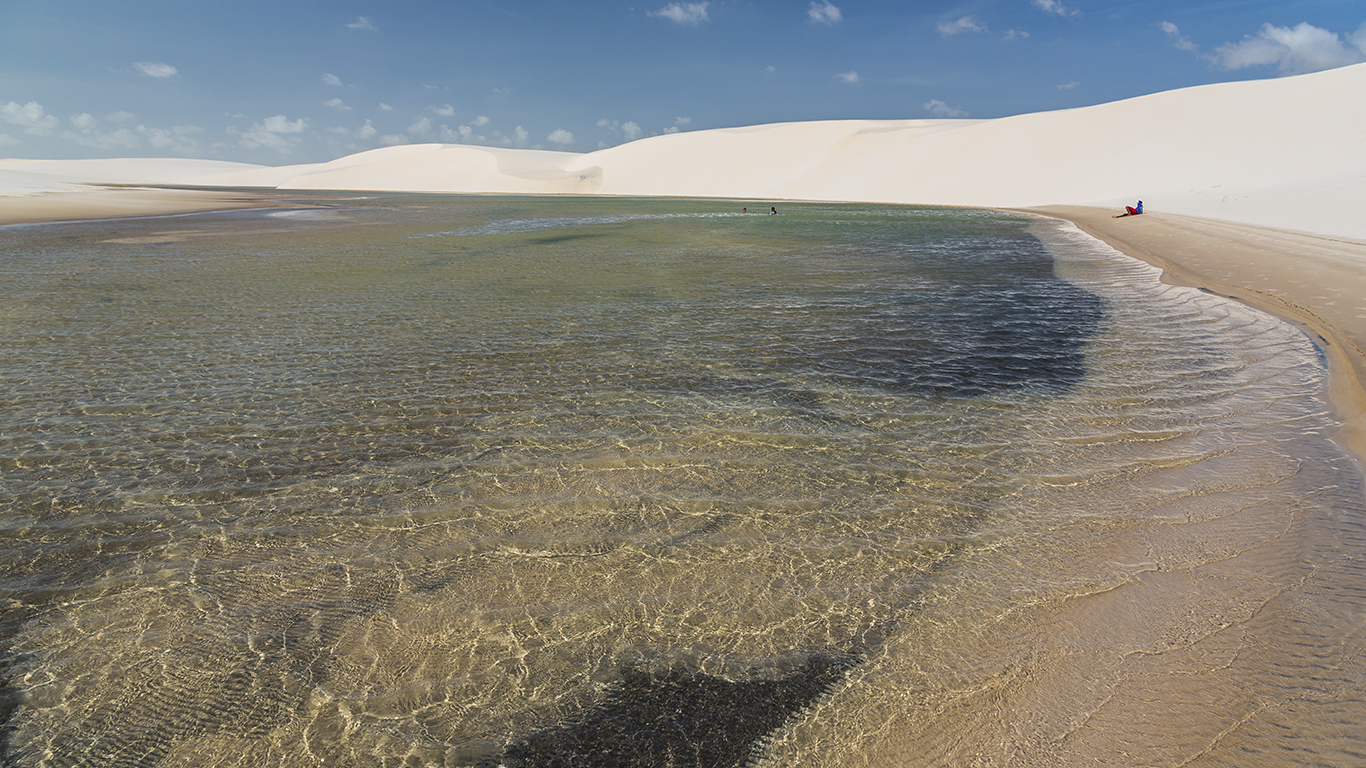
470,481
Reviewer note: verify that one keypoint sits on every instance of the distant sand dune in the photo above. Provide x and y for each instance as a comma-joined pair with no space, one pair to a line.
1287,153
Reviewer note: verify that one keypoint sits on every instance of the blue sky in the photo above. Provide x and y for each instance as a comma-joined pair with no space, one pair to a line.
293,81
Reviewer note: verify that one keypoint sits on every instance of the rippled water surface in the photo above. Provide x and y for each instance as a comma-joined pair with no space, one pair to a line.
530,482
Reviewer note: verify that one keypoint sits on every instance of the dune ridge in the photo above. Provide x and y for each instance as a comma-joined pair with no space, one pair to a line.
1287,153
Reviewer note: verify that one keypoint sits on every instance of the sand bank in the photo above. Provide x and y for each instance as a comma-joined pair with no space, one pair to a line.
1317,282
117,203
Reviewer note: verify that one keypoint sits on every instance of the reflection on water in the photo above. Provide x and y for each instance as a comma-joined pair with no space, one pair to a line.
482,481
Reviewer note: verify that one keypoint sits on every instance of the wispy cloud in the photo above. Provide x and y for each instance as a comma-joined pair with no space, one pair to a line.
1054,7
687,14
848,77
1179,40
272,133
178,139
965,24
337,104
445,110
31,117
824,13
331,79
1068,86
562,137
363,23
1293,50
937,108
155,68
629,130
89,133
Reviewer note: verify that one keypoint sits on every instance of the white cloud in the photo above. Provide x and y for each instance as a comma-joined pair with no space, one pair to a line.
520,137
481,120
119,117
177,139
271,133
561,136
155,68
1055,7
1294,51
965,24
394,139
629,130
687,14
770,69
937,108
366,131
89,134
281,124
31,117
1011,34
363,23
118,139
422,127
445,110
337,104
824,13
6,139
1178,40
848,77
1068,86
331,79
385,107
682,121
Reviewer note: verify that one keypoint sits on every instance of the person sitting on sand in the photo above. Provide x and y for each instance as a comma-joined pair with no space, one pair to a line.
1130,210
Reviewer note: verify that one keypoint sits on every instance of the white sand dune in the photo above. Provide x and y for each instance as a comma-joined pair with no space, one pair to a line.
1287,153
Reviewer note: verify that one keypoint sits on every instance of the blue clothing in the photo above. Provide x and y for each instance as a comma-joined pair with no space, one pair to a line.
1140,207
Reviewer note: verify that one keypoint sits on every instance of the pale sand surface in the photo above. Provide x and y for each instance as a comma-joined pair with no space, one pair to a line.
112,203
1315,281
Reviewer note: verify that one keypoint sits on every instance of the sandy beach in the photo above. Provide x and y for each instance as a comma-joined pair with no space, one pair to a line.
1317,282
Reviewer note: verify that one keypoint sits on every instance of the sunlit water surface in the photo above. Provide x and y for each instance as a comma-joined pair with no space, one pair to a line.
556,482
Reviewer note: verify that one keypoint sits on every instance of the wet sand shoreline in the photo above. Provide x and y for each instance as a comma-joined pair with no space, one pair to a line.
1316,282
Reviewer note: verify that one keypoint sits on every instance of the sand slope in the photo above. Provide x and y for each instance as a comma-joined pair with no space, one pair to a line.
1287,153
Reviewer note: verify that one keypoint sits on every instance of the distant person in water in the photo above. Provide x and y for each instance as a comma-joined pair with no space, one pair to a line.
1131,210
774,211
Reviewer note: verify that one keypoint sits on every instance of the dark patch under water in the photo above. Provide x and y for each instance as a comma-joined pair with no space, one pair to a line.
679,719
